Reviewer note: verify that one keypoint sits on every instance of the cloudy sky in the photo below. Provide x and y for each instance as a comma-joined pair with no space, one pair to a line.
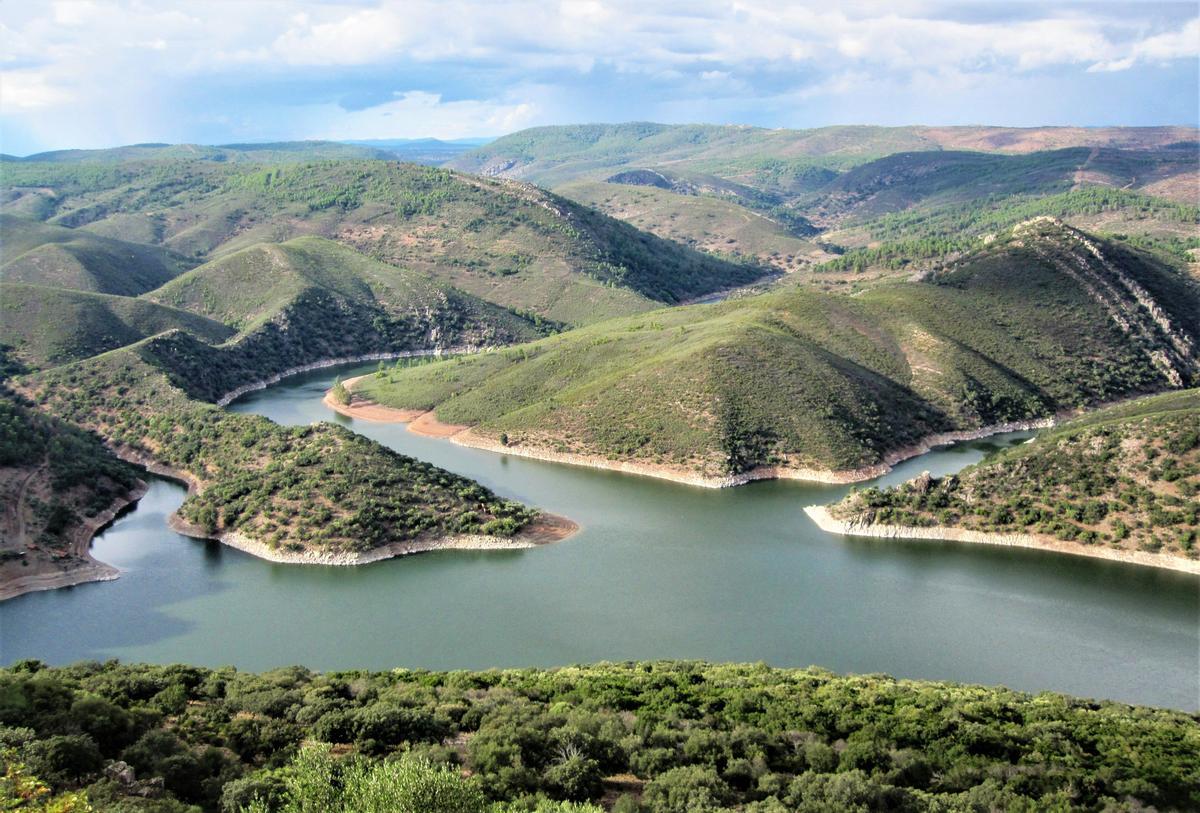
93,74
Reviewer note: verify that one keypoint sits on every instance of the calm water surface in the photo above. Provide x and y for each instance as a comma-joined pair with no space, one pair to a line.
659,570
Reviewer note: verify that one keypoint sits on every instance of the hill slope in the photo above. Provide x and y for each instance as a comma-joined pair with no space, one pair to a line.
305,494
57,257
803,382
58,484
509,243
44,327
1124,478
781,161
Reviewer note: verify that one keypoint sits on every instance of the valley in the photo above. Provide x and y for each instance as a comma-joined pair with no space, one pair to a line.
262,376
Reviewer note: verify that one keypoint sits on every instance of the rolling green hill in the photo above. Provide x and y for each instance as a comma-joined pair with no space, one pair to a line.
1043,319
1125,477
508,243
715,225
45,327
835,179
778,160
57,257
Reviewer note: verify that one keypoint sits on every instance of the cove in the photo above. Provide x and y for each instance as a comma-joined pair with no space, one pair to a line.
658,570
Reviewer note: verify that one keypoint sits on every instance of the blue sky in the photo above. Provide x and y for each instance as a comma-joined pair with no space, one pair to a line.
94,74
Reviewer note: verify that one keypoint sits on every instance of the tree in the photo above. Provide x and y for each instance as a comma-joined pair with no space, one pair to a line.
341,395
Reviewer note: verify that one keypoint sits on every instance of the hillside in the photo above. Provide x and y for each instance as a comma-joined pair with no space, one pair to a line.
660,737
1124,478
58,484
774,159
828,187
807,384
720,225
45,327
57,257
508,243
306,494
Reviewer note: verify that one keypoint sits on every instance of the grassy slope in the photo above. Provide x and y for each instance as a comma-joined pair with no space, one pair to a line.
42,254
1126,476
808,379
505,242
710,224
681,736
45,327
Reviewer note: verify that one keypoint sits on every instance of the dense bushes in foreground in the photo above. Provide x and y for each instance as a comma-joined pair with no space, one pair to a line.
653,737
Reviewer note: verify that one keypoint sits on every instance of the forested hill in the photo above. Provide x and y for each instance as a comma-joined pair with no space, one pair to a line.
1044,318
508,243
1124,477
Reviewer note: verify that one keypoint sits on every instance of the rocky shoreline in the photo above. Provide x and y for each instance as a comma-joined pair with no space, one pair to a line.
231,396
91,569
830,524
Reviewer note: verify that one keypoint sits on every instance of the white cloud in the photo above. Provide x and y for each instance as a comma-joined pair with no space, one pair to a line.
1181,44
123,65
28,90
414,114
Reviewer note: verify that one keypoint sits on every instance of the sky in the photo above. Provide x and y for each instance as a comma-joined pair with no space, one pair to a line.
88,74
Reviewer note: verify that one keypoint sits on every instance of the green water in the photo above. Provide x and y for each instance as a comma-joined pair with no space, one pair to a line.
658,570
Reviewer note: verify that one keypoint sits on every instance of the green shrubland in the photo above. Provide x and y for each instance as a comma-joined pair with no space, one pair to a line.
1126,476
655,737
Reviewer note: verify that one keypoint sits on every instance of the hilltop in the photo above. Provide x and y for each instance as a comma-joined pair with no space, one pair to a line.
800,383
769,158
44,327
264,152
58,257
509,243
1119,482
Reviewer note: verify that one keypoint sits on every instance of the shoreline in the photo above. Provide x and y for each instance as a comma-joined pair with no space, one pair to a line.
424,422
236,393
91,569
545,529
820,515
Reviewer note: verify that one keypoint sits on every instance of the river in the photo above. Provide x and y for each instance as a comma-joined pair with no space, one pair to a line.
658,570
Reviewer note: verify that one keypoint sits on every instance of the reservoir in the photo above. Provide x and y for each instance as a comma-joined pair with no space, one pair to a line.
658,570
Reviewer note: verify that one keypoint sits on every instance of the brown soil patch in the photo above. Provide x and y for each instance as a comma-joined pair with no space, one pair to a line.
430,426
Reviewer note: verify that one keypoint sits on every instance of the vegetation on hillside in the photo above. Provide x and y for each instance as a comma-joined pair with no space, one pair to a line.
57,257
652,737
53,478
318,488
810,380
508,243
45,327
1127,477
